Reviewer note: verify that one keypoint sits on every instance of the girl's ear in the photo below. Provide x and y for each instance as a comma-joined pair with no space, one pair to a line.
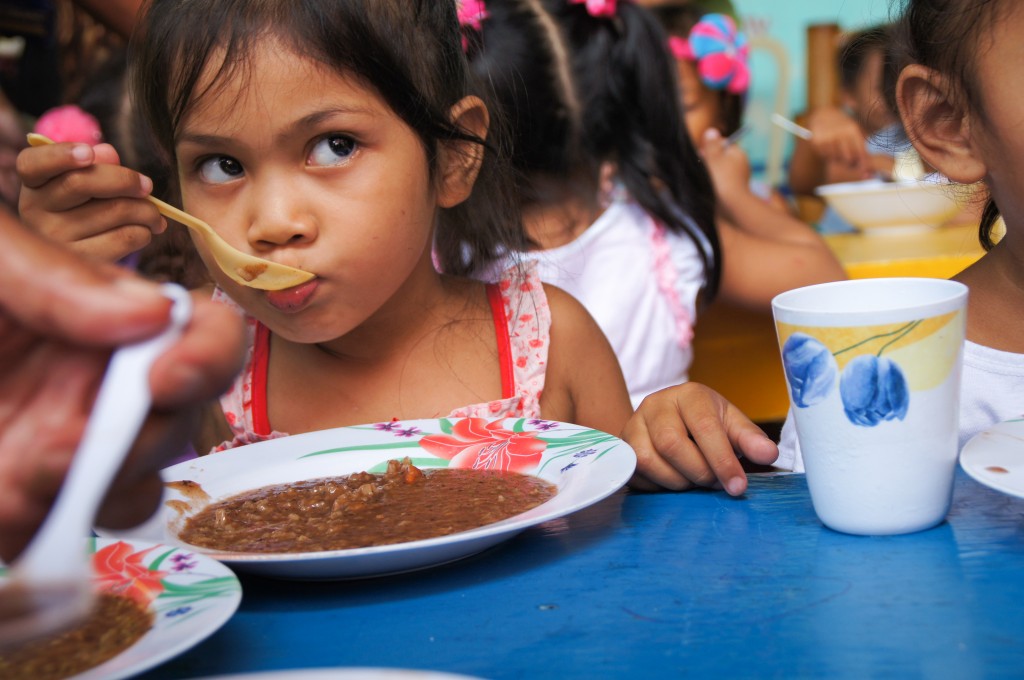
460,160
938,125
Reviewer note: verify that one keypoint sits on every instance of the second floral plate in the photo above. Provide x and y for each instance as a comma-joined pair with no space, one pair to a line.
586,466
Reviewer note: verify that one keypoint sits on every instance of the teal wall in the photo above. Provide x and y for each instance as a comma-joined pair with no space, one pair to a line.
784,23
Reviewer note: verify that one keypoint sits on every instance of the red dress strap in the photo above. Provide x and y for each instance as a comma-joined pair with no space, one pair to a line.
508,379
260,363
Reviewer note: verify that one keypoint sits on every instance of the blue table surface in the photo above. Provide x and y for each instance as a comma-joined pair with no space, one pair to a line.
666,585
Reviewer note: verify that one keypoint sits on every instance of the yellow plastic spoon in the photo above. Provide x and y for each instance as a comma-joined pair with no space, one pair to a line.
246,269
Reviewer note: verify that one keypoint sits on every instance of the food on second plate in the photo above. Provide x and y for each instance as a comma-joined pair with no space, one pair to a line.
114,625
364,509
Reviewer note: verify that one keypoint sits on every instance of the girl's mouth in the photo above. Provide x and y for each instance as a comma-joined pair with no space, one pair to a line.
293,299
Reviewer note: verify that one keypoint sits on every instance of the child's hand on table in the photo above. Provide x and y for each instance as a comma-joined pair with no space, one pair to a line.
689,436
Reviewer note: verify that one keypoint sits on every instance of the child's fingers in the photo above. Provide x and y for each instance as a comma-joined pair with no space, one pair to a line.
681,441
106,153
653,472
711,430
98,216
749,439
740,434
38,165
72,189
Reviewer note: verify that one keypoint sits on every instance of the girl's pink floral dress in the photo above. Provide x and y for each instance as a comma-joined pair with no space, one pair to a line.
522,324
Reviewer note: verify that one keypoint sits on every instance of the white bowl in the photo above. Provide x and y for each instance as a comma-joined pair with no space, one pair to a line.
878,206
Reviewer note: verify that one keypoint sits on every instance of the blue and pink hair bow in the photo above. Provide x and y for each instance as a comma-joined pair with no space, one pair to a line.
720,50
598,8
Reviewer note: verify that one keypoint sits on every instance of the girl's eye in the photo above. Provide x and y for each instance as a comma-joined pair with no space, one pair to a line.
333,150
220,169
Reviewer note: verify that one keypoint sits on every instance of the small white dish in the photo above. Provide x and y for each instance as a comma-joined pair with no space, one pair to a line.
995,457
189,595
876,206
585,464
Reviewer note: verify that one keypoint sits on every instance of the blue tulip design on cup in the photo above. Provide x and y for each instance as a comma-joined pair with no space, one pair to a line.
810,369
873,388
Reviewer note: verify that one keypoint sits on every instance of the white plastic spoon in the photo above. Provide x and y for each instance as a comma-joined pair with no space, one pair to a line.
791,127
50,584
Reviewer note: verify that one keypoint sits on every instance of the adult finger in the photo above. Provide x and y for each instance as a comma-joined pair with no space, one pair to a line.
54,292
204,362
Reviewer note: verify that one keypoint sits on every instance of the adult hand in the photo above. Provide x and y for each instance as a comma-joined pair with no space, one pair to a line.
12,140
60,318
689,436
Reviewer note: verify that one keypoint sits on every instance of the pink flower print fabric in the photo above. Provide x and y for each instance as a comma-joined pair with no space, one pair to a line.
527,317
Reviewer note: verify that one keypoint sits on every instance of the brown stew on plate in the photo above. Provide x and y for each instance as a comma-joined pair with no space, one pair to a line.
115,624
364,509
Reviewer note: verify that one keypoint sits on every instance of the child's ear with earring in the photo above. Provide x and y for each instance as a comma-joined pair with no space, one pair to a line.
460,160
939,124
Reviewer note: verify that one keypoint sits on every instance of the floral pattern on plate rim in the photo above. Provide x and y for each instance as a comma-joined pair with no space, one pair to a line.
167,581
477,443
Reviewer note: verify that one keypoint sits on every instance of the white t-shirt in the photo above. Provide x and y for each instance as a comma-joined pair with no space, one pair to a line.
640,283
992,390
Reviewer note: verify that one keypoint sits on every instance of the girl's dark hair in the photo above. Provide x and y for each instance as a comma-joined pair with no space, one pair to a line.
679,20
942,35
408,51
581,91
855,50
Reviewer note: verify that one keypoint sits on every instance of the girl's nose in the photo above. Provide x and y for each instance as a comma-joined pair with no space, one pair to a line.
281,218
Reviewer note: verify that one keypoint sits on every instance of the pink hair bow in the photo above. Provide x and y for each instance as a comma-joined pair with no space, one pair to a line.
471,14
598,8
720,50
69,124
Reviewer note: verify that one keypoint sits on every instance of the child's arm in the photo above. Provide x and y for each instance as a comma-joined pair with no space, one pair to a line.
82,196
584,382
688,436
765,251
836,152
584,385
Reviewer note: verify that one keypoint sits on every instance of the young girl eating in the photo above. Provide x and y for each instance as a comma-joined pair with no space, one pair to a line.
338,136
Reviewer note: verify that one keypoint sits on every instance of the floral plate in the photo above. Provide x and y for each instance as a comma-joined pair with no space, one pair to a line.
585,464
190,596
995,457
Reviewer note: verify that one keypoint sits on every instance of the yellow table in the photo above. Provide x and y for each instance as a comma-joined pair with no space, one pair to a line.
736,351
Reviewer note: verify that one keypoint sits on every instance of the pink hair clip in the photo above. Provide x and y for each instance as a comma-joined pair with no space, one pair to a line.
69,124
720,50
598,8
471,15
